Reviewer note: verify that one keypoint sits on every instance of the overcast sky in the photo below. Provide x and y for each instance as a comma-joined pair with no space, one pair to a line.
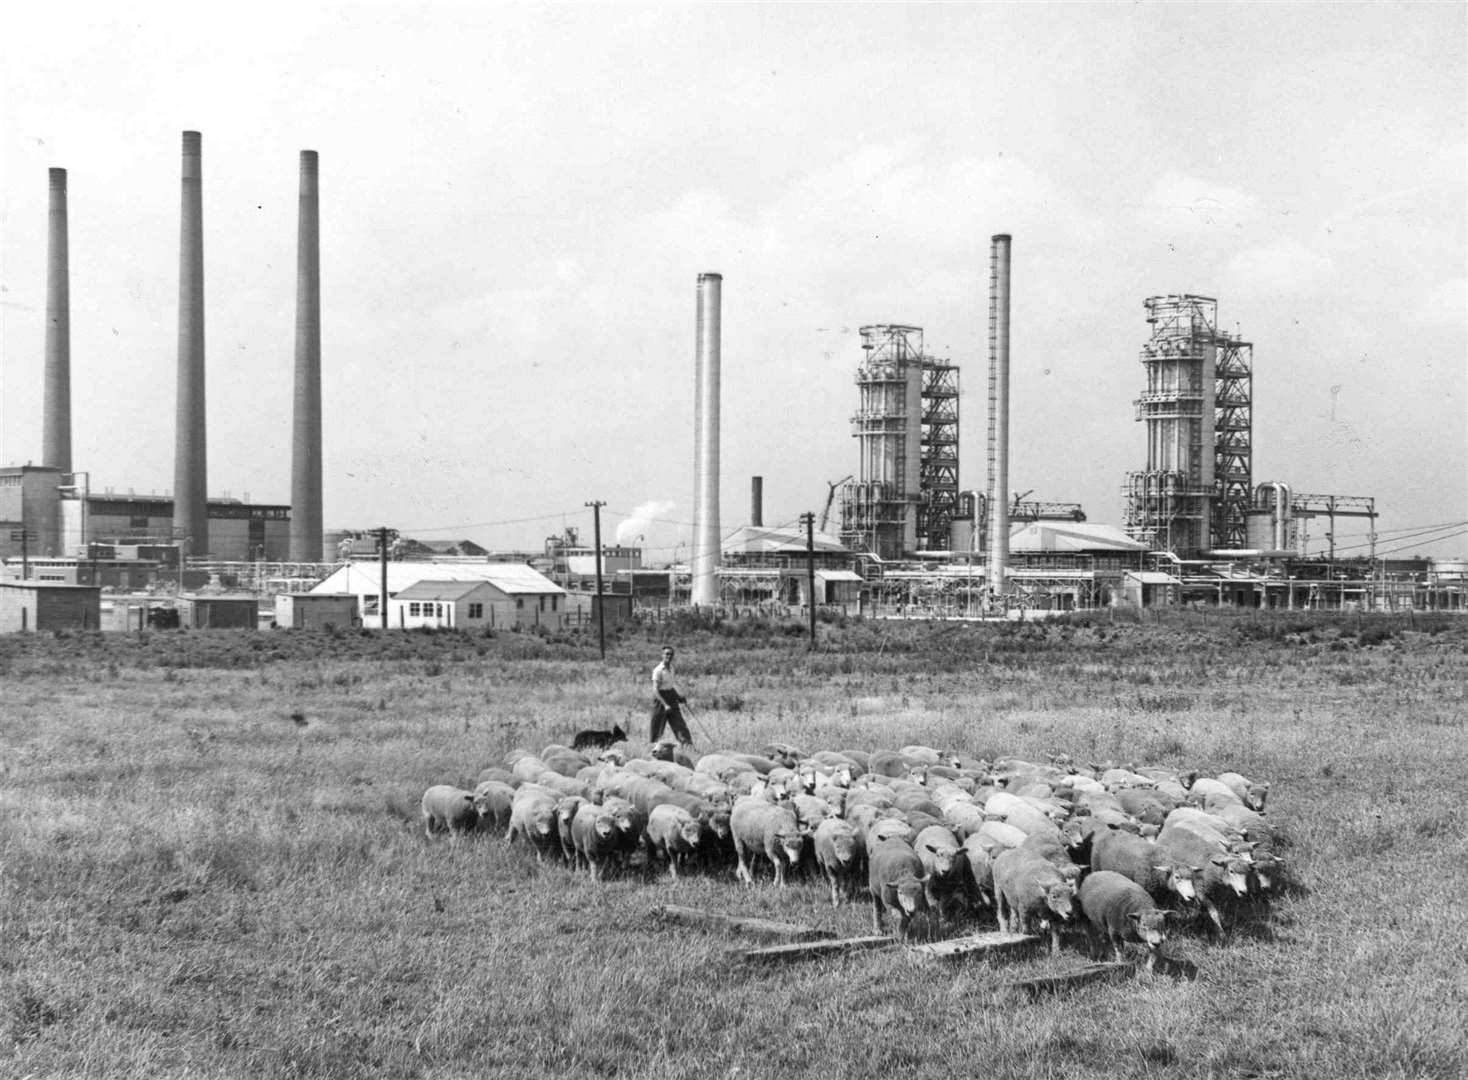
516,202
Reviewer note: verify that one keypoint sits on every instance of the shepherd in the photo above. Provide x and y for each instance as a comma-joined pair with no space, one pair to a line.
666,702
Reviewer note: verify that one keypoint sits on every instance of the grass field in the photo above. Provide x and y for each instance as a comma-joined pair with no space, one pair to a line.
193,884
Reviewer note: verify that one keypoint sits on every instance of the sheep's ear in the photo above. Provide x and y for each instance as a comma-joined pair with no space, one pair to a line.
1170,913
1135,916
1218,860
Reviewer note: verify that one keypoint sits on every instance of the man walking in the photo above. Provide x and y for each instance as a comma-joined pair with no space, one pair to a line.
666,702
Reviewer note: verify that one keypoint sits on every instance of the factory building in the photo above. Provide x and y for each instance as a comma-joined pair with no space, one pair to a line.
1195,492
905,494
45,512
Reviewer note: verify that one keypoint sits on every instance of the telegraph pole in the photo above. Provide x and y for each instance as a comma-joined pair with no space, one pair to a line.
382,560
601,614
809,521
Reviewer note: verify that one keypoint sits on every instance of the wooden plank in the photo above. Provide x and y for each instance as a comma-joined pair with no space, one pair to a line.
1066,980
809,950
742,924
992,943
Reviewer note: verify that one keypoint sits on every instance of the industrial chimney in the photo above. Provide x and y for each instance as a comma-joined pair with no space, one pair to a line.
306,433
190,465
757,501
998,412
56,418
706,444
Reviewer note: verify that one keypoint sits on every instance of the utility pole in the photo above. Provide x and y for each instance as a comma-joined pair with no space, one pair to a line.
601,615
809,521
382,560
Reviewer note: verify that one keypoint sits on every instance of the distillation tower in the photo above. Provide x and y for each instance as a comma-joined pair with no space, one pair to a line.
905,495
1195,493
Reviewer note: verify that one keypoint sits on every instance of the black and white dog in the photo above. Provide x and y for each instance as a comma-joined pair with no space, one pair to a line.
592,739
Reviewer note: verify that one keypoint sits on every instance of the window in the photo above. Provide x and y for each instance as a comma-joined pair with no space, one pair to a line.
369,604
553,602
476,611
414,608
542,603
519,601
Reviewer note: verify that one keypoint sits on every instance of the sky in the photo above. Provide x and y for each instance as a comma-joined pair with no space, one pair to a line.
517,201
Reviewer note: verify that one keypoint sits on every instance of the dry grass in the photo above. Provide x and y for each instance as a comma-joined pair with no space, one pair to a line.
194,884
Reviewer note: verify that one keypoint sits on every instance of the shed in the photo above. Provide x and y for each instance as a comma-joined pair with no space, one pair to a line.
219,612
315,611
48,605
1150,588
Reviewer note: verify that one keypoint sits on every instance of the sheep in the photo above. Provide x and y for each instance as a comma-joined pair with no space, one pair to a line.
566,809
942,857
1146,804
841,855
895,882
594,838
1013,810
997,836
811,810
1267,863
563,760
495,772
1139,861
762,828
630,822
889,828
1216,869
1251,794
980,866
1117,909
1053,850
533,816
450,809
1027,887
494,799
674,834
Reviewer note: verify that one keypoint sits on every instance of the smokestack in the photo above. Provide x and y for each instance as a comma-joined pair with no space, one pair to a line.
56,417
306,434
706,443
757,501
998,412
190,463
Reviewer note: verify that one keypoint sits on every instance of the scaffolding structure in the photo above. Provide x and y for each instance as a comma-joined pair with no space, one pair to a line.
1195,493
905,494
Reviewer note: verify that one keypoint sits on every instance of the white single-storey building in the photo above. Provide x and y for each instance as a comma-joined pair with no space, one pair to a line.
463,595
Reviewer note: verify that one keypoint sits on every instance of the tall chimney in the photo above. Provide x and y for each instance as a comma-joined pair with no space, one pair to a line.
757,501
998,412
306,434
190,463
56,405
706,444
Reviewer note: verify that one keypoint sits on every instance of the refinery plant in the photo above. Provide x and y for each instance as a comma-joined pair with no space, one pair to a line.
908,537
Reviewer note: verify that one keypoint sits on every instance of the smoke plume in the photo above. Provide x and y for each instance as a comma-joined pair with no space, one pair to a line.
641,519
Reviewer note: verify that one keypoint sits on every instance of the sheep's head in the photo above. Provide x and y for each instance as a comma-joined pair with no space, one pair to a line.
1149,926
1060,898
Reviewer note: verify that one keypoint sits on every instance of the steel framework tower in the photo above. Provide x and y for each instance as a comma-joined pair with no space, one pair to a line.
1195,492
905,494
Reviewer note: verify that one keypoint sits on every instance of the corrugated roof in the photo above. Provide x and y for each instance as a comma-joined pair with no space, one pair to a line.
439,590
1071,536
364,578
753,541
838,575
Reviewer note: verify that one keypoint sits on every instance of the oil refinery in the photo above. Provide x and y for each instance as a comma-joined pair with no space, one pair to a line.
908,537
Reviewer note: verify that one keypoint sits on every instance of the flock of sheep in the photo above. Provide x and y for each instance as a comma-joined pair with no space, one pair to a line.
920,832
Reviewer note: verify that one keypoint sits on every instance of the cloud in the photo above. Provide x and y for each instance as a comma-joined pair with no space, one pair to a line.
1181,201
1286,266
1445,305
